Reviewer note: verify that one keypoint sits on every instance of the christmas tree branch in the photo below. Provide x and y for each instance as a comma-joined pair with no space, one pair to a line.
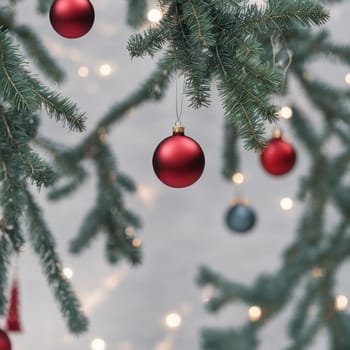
44,245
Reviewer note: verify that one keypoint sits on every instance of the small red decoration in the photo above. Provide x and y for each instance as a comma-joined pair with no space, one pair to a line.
279,156
13,322
178,160
5,343
72,18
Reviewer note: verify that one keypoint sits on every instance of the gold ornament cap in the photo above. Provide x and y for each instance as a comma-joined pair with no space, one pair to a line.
178,130
239,200
277,133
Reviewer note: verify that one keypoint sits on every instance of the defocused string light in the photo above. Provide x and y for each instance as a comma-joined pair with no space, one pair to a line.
98,344
129,231
285,112
347,78
254,313
105,70
286,203
67,272
136,242
173,320
238,178
83,71
341,302
207,293
154,15
317,272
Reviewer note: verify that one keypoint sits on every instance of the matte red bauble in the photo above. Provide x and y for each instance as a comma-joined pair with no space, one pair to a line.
278,157
4,341
178,160
72,18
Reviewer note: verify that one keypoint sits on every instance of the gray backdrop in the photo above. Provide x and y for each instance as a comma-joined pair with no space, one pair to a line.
183,228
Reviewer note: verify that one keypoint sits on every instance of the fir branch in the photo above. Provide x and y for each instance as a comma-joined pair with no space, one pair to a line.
88,231
4,262
14,81
39,54
59,107
231,163
44,246
279,16
136,12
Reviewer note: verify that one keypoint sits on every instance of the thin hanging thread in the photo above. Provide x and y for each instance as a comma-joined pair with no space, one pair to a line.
179,112
275,40
275,50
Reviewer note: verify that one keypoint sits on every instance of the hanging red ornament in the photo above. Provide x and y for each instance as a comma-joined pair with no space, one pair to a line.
178,160
13,322
72,18
5,343
279,156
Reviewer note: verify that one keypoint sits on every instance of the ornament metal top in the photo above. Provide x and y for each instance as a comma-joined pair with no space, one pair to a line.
178,160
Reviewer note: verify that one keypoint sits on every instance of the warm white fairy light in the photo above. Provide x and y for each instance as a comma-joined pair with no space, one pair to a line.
347,78
254,313
105,70
154,15
146,193
286,203
341,302
67,272
207,293
173,320
136,242
129,231
98,344
317,272
238,178
286,112
83,71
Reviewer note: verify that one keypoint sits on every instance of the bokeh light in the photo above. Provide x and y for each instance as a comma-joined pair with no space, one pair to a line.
254,313
129,231
286,112
173,320
347,78
136,242
105,70
154,15
341,302
238,178
286,203
67,272
83,71
98,344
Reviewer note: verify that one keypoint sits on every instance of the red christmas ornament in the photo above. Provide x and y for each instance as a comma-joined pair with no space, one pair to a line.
5,343
178,160
279,156
72,18
13,322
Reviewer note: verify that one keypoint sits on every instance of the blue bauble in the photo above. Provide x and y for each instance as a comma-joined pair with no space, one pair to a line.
240,218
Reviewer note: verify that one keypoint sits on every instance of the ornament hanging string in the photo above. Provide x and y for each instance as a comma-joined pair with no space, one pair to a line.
276,39
279,43
179,109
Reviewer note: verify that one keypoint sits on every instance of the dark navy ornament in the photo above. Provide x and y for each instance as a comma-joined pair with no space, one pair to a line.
240,218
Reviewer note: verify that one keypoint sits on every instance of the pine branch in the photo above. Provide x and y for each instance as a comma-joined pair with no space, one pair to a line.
44,246
14,81
279,16
4,262
136,12
39,53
